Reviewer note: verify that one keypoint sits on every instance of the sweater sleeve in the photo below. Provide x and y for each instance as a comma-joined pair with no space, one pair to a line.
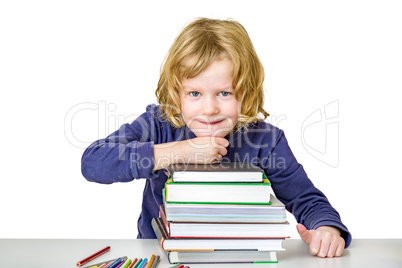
124,155
292,186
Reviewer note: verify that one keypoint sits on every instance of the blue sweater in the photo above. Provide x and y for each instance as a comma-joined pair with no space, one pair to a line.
128,154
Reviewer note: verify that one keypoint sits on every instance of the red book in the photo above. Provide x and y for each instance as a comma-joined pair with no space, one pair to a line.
212,244
224,230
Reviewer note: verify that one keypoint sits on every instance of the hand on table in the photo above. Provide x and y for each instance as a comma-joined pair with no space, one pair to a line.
325,241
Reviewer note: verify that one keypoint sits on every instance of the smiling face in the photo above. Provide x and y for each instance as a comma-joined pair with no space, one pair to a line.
208,105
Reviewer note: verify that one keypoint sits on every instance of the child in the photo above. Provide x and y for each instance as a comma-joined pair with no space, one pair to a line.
211,109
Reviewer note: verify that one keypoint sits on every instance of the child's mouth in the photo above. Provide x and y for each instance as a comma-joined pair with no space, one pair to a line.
211,123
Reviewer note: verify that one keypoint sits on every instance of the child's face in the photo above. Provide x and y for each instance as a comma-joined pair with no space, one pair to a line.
208,104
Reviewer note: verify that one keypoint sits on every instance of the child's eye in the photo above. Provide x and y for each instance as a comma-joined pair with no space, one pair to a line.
194,93
225,93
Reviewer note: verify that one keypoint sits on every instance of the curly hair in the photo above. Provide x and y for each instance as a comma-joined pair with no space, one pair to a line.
200,43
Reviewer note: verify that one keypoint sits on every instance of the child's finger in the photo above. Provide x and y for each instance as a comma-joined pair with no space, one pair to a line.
339,250
221,142
315,246
304,233
324,247
332,250
222,151
226,143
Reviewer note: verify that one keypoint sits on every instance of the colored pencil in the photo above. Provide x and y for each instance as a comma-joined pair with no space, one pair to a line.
156,261
93,256
105,264
132,263
119,264
126,263
138,263
144,261
115,263
151,261
110,263
176,265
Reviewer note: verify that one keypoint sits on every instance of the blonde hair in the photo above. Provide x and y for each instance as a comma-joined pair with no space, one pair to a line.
201,42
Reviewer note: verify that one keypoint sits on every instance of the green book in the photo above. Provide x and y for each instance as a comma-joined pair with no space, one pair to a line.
233,256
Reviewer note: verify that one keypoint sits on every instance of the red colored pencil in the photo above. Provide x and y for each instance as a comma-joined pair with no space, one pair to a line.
93,256
132,264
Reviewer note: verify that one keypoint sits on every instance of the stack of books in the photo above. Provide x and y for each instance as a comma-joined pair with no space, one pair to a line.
222,212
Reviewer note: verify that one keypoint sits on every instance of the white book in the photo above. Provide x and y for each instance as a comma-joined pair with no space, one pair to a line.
222,256
217,172
182,212
227,230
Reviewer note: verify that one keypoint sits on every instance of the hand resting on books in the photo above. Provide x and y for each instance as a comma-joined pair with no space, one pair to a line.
325,241
200,150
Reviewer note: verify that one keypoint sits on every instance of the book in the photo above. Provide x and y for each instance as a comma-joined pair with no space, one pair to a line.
226,230
275,212
222,193
232,256
184,244
216,172
220,213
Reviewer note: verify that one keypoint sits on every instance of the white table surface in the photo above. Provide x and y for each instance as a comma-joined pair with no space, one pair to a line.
60,253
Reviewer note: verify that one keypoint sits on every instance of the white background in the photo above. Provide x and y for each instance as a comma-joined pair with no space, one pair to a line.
71,72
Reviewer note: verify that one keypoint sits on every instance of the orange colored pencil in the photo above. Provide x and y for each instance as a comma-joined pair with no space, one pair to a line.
151,261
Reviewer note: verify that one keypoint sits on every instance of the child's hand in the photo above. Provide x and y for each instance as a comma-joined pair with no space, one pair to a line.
201,150
325,241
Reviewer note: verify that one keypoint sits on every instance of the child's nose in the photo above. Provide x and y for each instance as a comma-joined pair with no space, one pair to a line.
210,106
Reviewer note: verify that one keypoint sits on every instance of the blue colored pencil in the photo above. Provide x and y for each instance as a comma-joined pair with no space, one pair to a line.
142,263
115,263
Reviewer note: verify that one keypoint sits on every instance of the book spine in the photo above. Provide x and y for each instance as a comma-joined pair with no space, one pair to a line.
228,237
165,222
265,183
211,258
157,231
